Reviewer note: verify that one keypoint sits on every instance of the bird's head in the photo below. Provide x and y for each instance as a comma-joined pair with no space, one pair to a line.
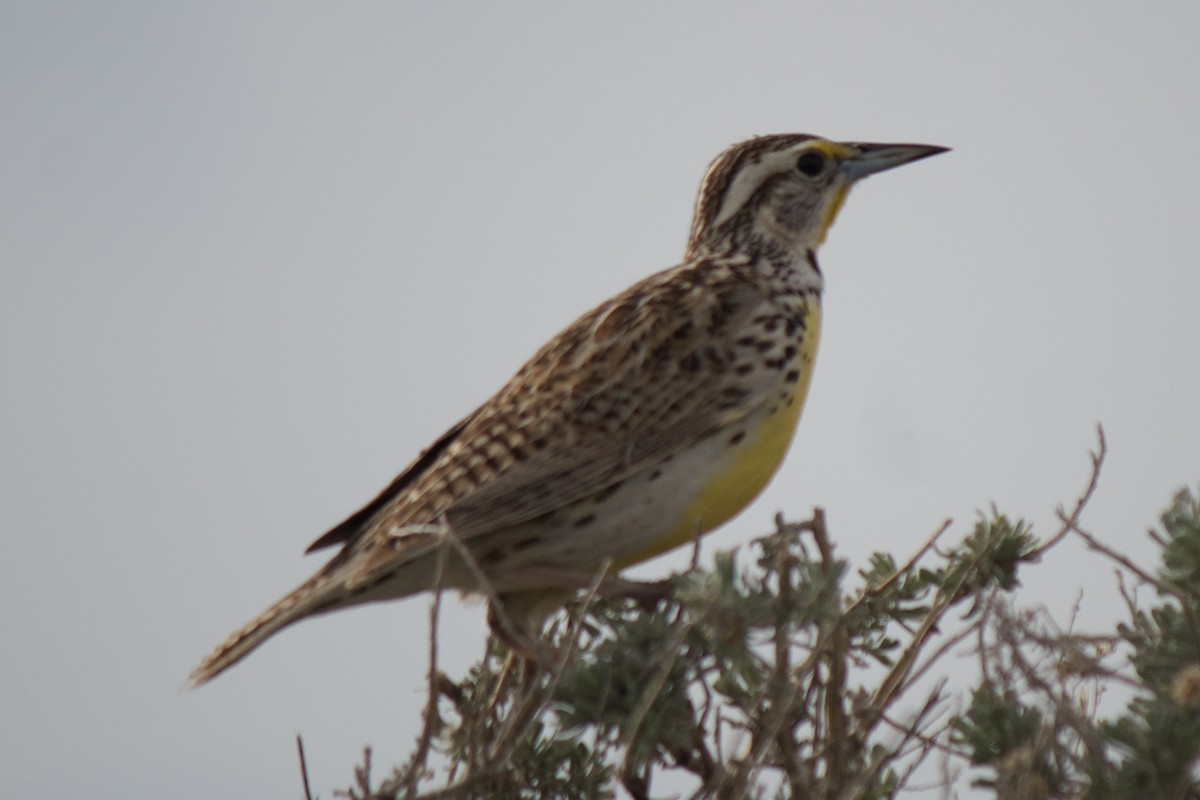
785,190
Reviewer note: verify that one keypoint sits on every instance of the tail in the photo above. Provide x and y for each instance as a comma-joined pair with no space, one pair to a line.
319,593
386,573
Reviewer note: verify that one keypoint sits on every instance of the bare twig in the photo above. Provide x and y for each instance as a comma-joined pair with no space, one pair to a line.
303,767
924,744
520,719
889,687
1072,519
1016,635
655,685
1095,544
417,765
526,708
837,742
496,608
947,645
904,570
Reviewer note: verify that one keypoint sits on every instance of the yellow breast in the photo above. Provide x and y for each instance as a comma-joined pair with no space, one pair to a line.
747,467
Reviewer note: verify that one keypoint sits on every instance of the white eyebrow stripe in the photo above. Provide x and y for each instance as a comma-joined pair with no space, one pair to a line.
750,177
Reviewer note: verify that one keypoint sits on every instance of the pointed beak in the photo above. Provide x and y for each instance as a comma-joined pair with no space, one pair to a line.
872,158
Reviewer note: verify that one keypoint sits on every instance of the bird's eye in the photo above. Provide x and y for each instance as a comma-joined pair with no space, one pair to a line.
811,163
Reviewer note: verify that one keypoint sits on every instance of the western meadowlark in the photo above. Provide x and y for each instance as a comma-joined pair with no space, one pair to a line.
650,420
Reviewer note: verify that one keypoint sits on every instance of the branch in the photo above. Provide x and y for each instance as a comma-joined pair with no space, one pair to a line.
1072,519
303,767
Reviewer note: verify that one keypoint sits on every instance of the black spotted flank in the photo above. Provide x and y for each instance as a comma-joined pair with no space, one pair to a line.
691,363
607,492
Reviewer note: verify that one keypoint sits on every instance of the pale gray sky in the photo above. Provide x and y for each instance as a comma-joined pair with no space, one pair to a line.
254,257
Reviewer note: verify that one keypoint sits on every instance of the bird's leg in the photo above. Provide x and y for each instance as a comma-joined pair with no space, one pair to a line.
514,637
518,618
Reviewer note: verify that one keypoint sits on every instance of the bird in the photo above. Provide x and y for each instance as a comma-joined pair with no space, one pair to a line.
649,421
